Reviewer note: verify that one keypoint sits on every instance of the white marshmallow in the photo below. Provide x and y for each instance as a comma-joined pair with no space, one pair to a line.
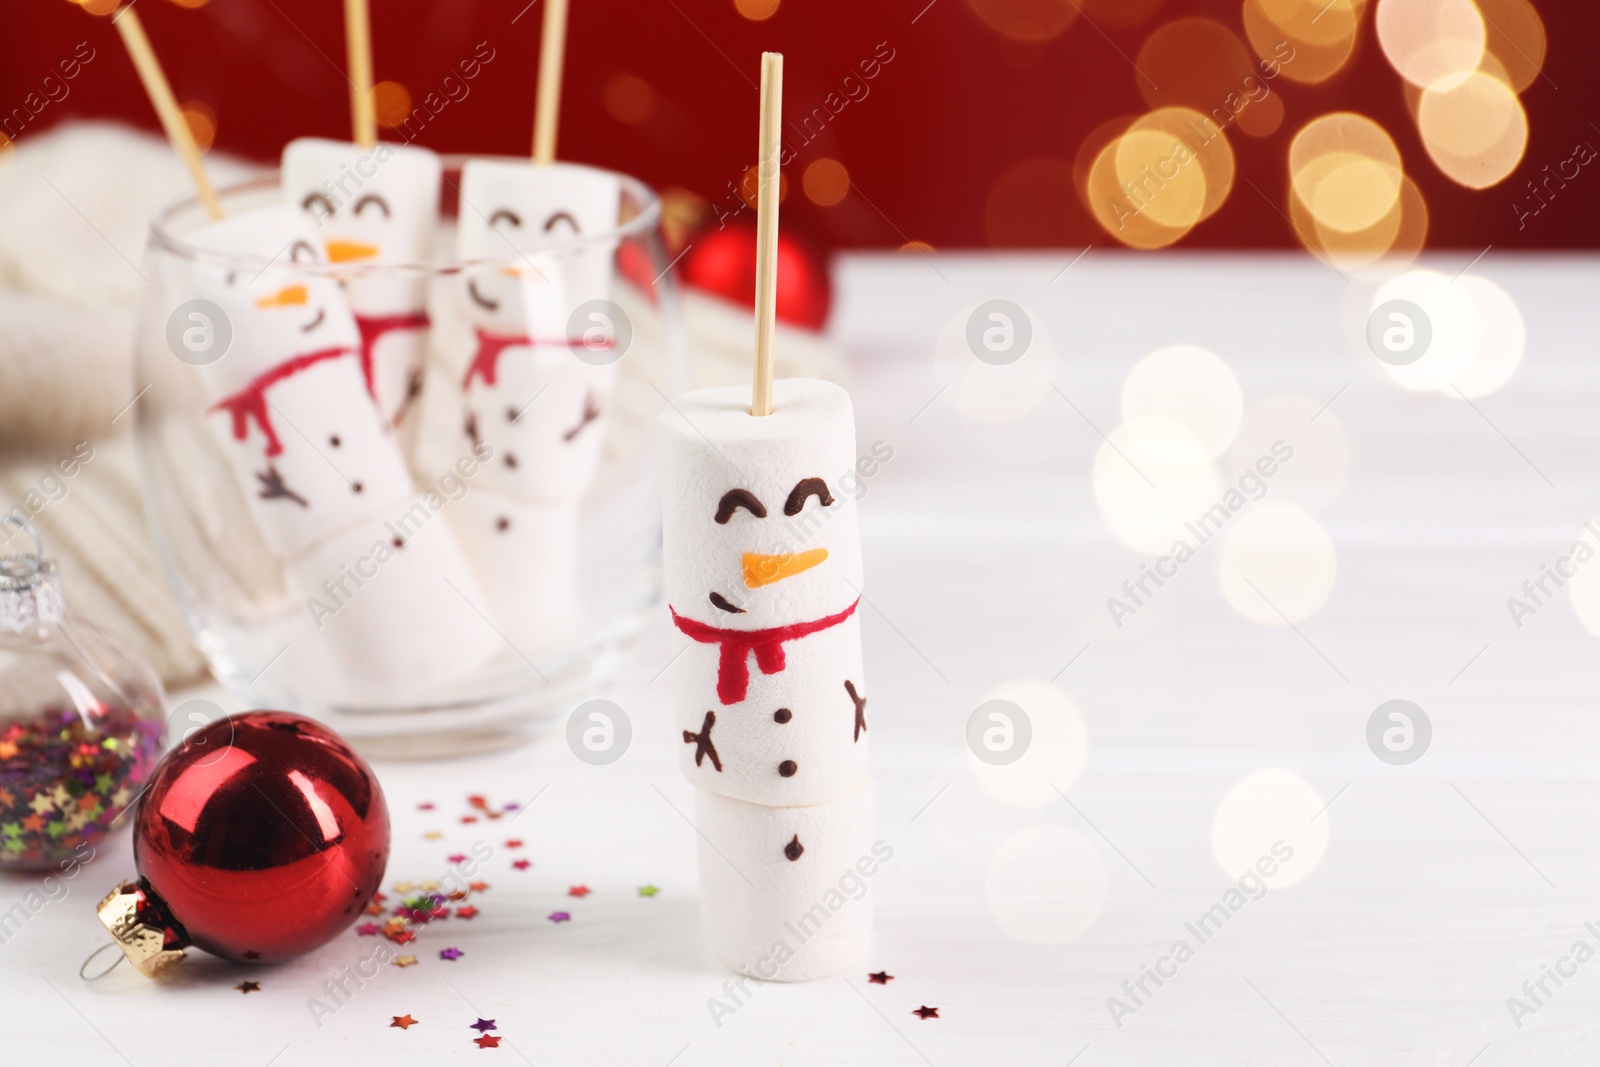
525,556
783,919
544,411
392,624
811,755
290,403
381,207
711,447
510,208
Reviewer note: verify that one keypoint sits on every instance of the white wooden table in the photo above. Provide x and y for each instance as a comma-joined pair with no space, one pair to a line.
1445,884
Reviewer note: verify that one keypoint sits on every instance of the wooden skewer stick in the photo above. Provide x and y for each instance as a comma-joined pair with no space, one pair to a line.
767,170
166,105
358,50
547,106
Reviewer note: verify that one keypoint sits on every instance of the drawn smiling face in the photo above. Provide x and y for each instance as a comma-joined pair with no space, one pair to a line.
543,222
760,513
380,205
271,287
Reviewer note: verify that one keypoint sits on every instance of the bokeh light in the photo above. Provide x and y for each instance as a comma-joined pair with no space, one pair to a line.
1516,38
202,123
629,99
756,10
1306,41
1029,208
1272,813
1502,339
1119,12
1026,20
1170,170
1197,63
1046,885
988,392
1189,385
391,103
826,182
1453,322
1428,40
1276,565
1346,171
1150,477
1056,750
1319,468
1473,127
966,820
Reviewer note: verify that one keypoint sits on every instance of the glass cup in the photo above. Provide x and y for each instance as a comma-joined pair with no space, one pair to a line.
413,500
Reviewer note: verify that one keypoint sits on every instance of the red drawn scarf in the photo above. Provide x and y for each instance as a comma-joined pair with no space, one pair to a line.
373,327
733,667
251,401
486,362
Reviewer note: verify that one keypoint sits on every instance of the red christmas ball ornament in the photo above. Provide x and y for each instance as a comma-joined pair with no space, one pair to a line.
723,262
260,838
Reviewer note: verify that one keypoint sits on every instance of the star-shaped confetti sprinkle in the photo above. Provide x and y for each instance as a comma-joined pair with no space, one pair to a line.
403,961
648,891
469,819
466,911
451,953
456,858
248,987
41,803
404,1022
483,1026
429,887
521,865
487,1041
579,891
560,917
478,802
477,887
426,805
881,978
926,1012
432,835
369,929
401,937
403,887
515,842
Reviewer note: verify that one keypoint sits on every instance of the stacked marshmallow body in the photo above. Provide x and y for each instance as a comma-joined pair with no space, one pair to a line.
539,402
319,468
763,576
373,208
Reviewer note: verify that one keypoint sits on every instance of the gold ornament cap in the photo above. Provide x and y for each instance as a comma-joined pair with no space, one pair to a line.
144,944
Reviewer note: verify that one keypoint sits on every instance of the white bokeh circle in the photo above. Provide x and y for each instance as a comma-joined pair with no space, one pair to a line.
1188,385
1276,564
1046,885
1268,814
1056,750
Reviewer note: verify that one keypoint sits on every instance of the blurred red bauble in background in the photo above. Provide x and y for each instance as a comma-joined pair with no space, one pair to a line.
260,838
723,263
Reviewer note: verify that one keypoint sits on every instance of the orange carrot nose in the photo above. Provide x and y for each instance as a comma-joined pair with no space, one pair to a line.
294,294
349,251
762,570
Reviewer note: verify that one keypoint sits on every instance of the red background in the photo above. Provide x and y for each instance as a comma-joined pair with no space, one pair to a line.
956,108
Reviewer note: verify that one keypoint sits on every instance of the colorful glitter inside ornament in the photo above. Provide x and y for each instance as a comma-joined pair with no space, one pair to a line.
81,721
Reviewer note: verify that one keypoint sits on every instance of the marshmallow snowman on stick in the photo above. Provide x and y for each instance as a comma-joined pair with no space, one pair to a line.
375,206
762,567
536,379
316,464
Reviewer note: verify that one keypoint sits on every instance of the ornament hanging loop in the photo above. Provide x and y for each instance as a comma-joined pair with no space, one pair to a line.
104,970
30,562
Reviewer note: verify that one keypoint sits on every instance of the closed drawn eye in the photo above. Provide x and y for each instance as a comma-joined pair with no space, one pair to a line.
507,215
372,200
302,252
805,488
562,216
315,201
733,500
